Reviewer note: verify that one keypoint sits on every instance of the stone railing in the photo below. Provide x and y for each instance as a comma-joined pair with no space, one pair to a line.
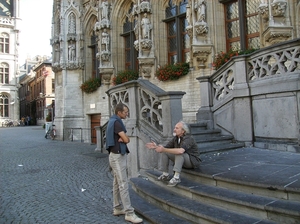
256,97
6,21
153,114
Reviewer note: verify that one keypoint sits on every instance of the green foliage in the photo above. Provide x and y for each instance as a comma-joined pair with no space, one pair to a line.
172,72
91,85
125,76
221,58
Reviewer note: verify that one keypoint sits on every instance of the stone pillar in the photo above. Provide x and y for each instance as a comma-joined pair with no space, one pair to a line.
204,113
171,110
99,139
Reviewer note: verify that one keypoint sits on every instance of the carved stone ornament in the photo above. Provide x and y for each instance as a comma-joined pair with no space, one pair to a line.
264,10
106,74
71,36
201,28
145,6
146,72
202,53
276,35
105,55
105,23
189,30
97,27
136,45
278,8
106,78
146,65
146,44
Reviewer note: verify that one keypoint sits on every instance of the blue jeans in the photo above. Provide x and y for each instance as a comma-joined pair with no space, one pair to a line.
118,163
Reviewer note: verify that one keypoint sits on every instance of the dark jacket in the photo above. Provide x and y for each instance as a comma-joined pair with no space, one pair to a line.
110,132
190,146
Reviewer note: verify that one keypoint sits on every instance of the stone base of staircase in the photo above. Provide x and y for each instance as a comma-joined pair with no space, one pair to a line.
246,185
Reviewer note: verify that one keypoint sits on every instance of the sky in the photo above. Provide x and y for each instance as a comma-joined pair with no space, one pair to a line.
35,29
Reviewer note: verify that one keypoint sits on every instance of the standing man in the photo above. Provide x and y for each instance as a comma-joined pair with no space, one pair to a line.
182,150
116,144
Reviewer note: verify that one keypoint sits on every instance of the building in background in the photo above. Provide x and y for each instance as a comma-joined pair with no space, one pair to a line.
9,65
99,39
37,91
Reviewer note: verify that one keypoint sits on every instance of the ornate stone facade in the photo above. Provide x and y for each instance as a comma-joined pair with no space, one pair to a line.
76,23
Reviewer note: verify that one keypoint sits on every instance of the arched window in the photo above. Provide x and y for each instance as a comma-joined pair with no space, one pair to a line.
242,24
4,43
131,61
178,40
4,73
3,105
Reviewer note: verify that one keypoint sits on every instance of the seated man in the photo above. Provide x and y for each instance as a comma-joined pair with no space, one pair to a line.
182,150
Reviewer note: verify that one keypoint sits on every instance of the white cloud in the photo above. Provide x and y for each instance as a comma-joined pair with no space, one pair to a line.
35,30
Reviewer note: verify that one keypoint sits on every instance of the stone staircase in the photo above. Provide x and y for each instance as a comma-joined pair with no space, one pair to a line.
199,199
211,140
204,198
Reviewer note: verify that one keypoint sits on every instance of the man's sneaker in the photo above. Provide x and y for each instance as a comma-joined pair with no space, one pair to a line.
163,178
173,182
133,218
118,212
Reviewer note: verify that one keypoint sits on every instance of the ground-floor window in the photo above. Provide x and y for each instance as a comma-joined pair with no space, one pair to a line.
4,102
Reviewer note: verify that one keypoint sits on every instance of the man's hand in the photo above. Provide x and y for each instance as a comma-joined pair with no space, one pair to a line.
151,145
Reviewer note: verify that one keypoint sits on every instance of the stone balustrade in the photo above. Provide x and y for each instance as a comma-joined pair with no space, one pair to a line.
256,97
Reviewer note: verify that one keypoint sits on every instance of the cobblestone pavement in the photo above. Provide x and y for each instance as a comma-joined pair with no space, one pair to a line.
46,181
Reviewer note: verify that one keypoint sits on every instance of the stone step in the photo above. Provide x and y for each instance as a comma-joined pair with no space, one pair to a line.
152,213
189,209
205,133
195,127
248,204
236,184
208,148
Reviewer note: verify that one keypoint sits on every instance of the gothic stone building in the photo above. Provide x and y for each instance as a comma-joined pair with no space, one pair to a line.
99,38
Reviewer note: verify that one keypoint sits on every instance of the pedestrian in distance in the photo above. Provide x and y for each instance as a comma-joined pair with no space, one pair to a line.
116,144
182,150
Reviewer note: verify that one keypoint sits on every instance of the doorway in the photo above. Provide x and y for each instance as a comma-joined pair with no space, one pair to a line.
95,122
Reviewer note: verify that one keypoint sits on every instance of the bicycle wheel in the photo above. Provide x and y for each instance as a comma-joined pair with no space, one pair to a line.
52,134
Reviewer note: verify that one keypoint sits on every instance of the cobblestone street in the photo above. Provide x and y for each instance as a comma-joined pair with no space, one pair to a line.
46,181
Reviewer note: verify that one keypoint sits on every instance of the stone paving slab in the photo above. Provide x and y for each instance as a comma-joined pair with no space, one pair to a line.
51,181
255,165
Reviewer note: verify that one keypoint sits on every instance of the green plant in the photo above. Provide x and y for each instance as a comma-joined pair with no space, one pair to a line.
91,85
125,76
221,58
172,72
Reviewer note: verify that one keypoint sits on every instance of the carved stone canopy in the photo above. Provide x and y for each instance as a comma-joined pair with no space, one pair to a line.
274,35
201,53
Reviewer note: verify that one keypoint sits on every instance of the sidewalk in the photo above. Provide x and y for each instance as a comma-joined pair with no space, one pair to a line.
46,181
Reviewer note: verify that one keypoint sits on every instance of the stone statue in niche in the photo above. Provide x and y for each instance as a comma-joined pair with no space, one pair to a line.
136,27
105,9
57,52
200,8
105,40
146,27
72,51
188,15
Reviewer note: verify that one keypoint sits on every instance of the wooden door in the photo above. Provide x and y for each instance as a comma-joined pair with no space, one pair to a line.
95,121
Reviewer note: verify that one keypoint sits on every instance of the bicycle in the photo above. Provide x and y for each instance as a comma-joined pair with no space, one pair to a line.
51,132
